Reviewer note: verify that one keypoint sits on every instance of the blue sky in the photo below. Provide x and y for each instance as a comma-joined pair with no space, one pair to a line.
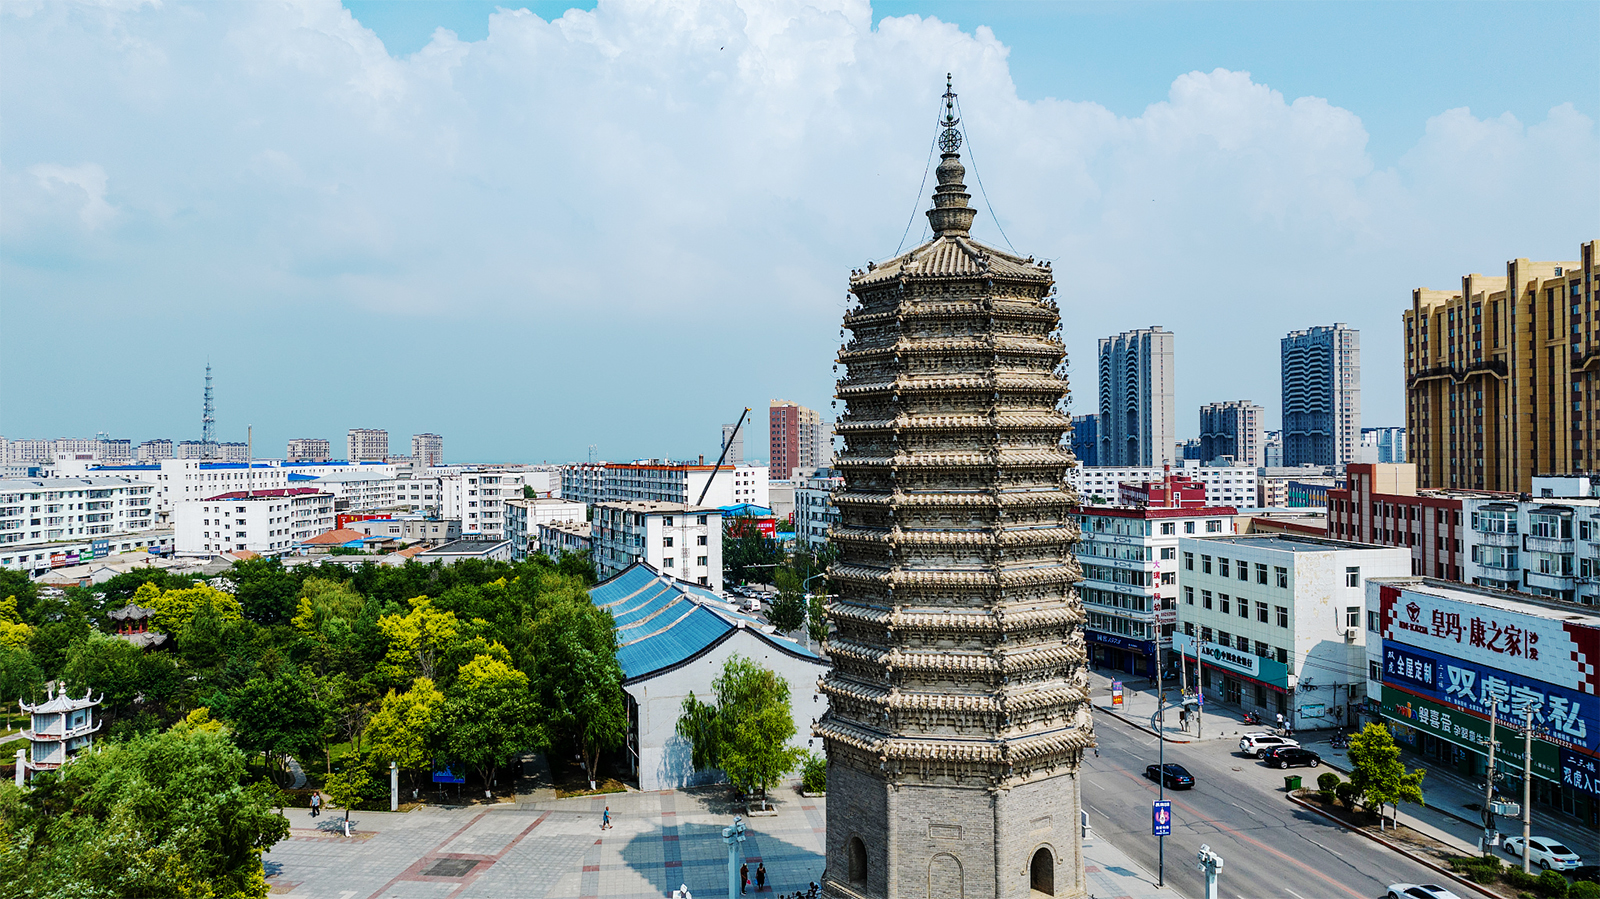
621,224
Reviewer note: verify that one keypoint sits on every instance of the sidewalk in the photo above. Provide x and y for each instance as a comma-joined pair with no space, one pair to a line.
1139,709
1108,872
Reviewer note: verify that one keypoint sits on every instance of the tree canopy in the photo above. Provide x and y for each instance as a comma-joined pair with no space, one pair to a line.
1376,772
746,731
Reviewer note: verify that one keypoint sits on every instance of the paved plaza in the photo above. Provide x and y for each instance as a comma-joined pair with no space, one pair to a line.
555,848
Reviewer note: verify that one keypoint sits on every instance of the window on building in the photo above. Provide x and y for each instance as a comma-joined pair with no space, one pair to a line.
700,520
1283,656
1168,527
1168,552
1374,621
1188,527
1213,527
1244,571
1188,596
1223,604
1222,567
1188,628
700,560
1241,643
666,541
1205,564
1283,576
1244,607
1188,561
1352,616
1261,613
666,521
700,540
1205,599
1263,650
1374,671
1352,576
1283,616
1261,574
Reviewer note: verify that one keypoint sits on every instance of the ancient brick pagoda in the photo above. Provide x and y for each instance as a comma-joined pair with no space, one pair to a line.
958,699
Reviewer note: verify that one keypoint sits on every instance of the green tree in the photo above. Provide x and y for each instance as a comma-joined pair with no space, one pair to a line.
1378,775
400,730
746,732
349,786
418,637
20,677
276,716
577,677
14,632
265,589
817,617
579,565
747,555
17,585
125,674
488,716
167,814
788,610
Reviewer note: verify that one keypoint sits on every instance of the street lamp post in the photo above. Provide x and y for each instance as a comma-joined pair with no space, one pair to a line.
733,835
1210,865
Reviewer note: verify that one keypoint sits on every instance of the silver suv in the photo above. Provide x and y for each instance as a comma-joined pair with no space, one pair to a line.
1259,744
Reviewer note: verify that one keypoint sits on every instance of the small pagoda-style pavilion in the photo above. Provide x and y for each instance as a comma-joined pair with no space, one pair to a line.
133,625
62,727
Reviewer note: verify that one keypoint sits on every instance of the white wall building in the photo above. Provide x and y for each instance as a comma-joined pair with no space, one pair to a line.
478,496
682,540
1276,621
814,512
1547,547
675,638
269,522
366,445
35,510
557,538
1129,557
670,482
1226,485
309,449
524,517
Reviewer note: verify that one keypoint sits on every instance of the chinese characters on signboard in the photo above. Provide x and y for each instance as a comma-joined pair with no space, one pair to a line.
1559,715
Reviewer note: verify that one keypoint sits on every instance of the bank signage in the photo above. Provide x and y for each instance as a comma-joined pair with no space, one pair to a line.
1267,671
1553,650
1562,716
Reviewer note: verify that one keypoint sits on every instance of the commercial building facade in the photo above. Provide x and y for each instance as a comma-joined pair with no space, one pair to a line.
1503,376
1226,485
1380,504
1273,622
1086,439
814,512
1232,430
799,439
1321,395
1137,412
1443,658
557,538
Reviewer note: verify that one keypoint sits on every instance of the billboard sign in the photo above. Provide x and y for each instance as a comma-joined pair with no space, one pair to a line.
1580,772
1560,715
1466,730
1556,651
1161,818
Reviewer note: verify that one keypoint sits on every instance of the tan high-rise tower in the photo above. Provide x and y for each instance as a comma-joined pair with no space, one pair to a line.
958,708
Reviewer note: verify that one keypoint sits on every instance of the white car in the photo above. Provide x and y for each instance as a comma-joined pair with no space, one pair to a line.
1259,744
751,606
1545,852
1419,891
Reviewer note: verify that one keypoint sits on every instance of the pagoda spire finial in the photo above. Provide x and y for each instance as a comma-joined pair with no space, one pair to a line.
950,213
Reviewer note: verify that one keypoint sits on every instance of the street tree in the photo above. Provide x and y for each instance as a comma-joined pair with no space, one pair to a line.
748,556
417,638
1378,775
277,716
487,716
400,730
788,611
746,731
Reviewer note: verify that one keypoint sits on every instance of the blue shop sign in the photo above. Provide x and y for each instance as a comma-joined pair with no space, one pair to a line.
1145,646
1580,772
1560,715
446,776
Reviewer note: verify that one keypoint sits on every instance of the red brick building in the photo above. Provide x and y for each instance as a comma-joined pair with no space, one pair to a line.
1380,504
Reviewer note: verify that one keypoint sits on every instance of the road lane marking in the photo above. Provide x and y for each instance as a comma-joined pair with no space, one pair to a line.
1293,893
1322,847
1243,837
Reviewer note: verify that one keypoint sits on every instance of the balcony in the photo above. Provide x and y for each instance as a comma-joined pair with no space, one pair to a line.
1493,538
1554,545
1551,581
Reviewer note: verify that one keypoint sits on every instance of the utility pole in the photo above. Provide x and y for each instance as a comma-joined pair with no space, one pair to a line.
1527,781
1161,738
1488,790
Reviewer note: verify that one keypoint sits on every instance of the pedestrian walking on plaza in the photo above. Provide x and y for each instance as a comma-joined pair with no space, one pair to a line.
761,876
316,803
605,819
744,878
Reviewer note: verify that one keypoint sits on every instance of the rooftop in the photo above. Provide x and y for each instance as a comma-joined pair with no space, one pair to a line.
338,537
276,493
1489,597
652,506
663,623
468,546
1154,512
1295,544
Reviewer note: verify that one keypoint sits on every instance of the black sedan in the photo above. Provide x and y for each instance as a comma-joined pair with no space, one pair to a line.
1177,776
1293,756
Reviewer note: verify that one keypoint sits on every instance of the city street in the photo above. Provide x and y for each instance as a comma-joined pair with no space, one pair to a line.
1271,847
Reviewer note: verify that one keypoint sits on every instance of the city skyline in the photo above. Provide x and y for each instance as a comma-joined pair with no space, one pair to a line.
459,242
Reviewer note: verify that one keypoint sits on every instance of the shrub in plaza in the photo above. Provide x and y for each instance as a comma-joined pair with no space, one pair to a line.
1327,781
1583,889
1551,884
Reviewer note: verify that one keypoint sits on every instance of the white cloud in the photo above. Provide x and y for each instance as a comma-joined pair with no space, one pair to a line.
690,174
89,178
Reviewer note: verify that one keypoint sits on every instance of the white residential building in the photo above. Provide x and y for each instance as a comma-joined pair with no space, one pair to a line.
1129,557
427,450
366,445
684,482
269,522
814,512
39,558
781,497
478,496
309,449
557,538
1226,485
407,529
1547,547
1276,622
681,540
42,510
155,451
524,516
584,482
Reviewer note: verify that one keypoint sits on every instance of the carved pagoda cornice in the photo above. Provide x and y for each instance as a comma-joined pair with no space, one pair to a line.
1008,500
1005,458
1004,421
1065,572
916,385
982,622
911,346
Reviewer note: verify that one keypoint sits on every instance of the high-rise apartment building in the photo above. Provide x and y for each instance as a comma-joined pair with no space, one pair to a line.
1086,439
309,449
427,450
1231,429
733,442
367,445
1503,376
800,438
155,450
1321,395
1137,418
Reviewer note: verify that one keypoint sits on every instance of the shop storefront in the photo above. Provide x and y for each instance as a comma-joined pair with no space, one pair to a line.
1110,652
1254,683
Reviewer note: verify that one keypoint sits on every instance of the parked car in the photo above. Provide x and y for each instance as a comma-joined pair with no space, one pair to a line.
1259,744
1292,756
1419,891
750,606
1546,852
1177,776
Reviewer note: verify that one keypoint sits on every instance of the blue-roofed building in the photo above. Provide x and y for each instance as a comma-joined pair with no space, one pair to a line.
673,638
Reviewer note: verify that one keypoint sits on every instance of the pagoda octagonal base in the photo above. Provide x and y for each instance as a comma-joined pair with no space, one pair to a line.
952,842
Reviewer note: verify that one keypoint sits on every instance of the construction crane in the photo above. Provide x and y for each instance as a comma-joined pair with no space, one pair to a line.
725,445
